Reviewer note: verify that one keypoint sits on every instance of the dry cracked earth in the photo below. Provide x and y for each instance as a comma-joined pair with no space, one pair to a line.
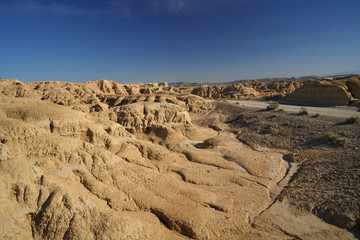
102,160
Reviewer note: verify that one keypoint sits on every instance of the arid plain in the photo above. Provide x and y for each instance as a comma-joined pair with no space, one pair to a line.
103,160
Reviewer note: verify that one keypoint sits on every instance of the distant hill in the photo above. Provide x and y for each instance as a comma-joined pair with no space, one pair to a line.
187,84
195,84
275,79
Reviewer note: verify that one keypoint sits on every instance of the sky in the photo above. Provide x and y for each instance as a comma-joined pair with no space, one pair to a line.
131,41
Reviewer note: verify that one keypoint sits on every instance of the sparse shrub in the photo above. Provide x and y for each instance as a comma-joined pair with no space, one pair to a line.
272,129
334,138
212,142
287,123
352,120
272,106
347,134
245,117
303,111
316,115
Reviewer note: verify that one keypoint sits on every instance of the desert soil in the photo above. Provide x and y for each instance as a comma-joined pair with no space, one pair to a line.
101,160
338,112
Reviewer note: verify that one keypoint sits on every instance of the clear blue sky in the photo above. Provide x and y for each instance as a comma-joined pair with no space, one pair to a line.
177,40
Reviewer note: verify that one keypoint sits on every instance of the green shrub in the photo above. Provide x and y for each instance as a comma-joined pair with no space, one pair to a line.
334,138
352,120
272,129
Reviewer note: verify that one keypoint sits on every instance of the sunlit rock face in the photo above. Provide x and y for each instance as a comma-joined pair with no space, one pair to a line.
101,160
320,93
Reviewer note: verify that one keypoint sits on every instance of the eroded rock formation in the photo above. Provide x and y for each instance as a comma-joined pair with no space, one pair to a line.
100,160
320,93
253,89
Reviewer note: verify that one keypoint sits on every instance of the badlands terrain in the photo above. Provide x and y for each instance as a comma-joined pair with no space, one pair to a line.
103,160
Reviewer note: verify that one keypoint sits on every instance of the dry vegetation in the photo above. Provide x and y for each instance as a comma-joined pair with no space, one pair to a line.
335,139
352,120
272,106
303,111
212,142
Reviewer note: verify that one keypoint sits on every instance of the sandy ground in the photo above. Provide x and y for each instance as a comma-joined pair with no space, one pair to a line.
341,112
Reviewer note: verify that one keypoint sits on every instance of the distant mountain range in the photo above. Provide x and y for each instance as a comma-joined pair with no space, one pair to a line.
303,78
194,84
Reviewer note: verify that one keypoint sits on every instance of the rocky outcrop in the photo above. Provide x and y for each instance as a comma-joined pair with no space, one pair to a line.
354,87
320,93
123,104
142,115
233,91
277,87
68,94
253,89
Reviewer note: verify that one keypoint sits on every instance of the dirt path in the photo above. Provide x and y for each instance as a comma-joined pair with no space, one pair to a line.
341,112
